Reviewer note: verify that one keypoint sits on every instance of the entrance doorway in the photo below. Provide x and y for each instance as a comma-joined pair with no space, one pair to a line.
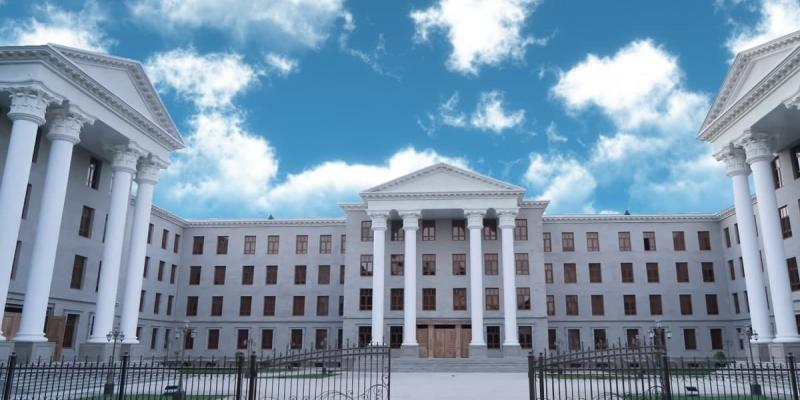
444,340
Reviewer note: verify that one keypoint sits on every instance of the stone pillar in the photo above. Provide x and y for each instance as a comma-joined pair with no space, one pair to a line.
124,165
28,106
475,226
506,225
759,155
736,167
64,134
146,178
410,226
378,274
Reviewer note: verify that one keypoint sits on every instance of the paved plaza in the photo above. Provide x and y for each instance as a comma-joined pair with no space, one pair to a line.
459,386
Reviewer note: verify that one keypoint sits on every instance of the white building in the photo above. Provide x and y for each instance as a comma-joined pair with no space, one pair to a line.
493,275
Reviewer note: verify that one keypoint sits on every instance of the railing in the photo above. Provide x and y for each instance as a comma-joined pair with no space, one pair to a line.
647,372
352,373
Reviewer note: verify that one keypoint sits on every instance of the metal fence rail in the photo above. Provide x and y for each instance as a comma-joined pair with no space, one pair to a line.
352,373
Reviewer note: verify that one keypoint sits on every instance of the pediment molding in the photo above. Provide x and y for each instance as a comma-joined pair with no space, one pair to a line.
630,218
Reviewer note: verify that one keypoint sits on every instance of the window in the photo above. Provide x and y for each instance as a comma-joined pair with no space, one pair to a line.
341,274
551,304
652,272
551,339
222,245
794,275
525,334
395,336
777,178
273,241
655,305
704,240
93,173
245,305
736,232
547,242
567,241
592,241
242,339
157,304
595,273
301,244
247,274
219,275
249,244
459,299
176,243
87,217
150,233
197,244
629,304
269,306
342,243
490,264
570,273
341,305
492,299
572,304
299,274
272,275
731,270
428,264
164,238
298,306
649,239
795,156
521,264
322,306
489,229
266,339
216,306
600,341
172,272
708,271
27,201
716,338
492,337
320,339
786,224
686,304
366,231
325,244
191,306
712,307
160,275
78,271
396,299
153,338
736,308
70,326
458,230
574,339
396,230
523,298
429,299
689,339
364,336
632,337
548,273
296,340
459,264
170,299
146,267
598,304
428,230
324,275
682,272
366,265
626,270
396,264
365,300
520,229
213,339
624,241
678,241
727,234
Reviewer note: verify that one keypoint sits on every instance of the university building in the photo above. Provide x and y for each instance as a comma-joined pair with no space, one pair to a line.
442,262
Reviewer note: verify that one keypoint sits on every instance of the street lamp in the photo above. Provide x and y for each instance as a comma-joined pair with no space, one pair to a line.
185,332
752,336
115,336
659,335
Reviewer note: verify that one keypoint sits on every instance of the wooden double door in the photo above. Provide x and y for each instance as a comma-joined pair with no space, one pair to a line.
444,340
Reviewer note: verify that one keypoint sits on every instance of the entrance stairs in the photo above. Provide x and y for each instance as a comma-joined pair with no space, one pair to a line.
478,364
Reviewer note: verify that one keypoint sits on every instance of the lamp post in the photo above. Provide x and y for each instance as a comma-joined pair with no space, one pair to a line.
185,332
659,335
752,336
115,336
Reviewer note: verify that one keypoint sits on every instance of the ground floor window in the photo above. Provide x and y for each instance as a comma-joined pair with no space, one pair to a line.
716,339
321,339
296,342
632,337
339,338
525,337
493,337
552,342
266,339
69,331
600,341
364,336
242,339
395,336
574,339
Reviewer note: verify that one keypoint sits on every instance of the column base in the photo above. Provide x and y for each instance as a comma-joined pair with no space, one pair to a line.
786,339
512,350
134,350
477,351
34,351
407,351
98,351
6,348
779,352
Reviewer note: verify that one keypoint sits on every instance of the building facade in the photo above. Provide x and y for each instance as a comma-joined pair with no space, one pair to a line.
442,262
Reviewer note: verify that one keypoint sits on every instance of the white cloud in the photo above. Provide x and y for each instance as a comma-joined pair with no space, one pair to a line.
306,22
450,114
777,18
693,181
280,65
481,32
563,180
208,80
373,59
553,135
490,115
52,24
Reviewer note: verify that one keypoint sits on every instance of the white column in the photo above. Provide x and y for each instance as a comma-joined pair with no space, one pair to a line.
124,165
475,226
410,226
759,156
736,167
506,225
64,134
146,178
378,274
28,105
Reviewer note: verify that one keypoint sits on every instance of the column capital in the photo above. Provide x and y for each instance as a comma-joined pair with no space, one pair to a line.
507,217
147,170
757,146
125,159
735,160
30,101
410,219
378,219
67,123
474,218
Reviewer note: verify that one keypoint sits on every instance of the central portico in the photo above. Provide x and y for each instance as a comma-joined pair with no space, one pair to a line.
477,208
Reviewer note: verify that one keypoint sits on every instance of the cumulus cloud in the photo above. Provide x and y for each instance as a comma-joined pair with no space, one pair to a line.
279,65
481,32
304,22
563,180
776,18
52,24
490,115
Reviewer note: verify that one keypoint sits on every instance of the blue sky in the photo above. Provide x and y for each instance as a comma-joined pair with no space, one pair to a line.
289,108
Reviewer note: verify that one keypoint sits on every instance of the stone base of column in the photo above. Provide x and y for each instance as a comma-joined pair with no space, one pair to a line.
407,351
6,348
779,352
760,352
134,350
34,351
478,351
98,351
513,351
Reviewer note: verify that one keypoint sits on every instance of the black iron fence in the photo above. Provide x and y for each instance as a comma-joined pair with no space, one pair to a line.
647,372
352,373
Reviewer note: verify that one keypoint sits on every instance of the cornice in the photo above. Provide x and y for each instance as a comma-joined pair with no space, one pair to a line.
534,204
441,195
166,215
265,222
449,168
630,218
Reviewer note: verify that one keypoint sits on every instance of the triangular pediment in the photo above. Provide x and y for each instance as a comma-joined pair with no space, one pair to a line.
442,178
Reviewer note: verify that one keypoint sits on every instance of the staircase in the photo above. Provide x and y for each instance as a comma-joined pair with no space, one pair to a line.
483,364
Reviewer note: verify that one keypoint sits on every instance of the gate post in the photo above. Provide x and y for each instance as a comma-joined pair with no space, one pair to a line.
541,376
666,386
122,376
252,375
239,370
531,377
792,376
12,365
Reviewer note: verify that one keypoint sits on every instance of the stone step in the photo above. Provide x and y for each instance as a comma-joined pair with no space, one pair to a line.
459,365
